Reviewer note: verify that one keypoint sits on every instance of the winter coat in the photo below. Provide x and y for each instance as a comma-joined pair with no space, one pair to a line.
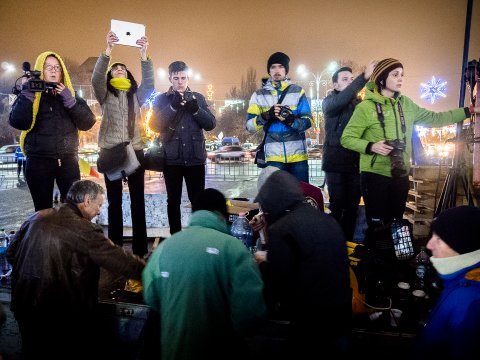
114,125
56,258
187,144
207,289
49,129
338,107
452,330
284,143
307,257
364,127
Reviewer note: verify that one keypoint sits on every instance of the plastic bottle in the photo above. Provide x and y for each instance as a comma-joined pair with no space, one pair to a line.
422,267
243,231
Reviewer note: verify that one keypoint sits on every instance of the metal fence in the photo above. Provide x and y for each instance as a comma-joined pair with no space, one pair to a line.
225,171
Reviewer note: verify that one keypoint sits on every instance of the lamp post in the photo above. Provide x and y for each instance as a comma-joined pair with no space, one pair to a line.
8,70
304,72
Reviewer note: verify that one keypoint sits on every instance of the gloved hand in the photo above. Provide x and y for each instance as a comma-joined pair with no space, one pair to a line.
176,100
30,95
67,98
269,115
192,106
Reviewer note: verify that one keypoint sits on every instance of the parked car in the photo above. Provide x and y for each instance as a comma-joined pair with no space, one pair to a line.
315,151
229,153
7,153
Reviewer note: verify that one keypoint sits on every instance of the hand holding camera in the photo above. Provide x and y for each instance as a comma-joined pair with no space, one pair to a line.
67,97
192,106
176,101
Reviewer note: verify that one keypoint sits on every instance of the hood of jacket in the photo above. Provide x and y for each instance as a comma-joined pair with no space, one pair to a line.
280,193
372,93
38,95
268,84
208,219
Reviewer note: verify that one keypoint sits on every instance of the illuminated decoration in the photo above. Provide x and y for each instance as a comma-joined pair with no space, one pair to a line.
210,92
433,90
233,104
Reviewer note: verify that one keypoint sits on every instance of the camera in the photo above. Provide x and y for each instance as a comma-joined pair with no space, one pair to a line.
285,112
398,168
188,96
36,84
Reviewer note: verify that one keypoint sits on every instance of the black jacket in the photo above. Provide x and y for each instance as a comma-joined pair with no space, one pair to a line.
187,145
307,256
55,133
338,107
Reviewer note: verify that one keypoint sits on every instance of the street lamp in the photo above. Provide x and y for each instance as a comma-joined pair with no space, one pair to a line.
8,70
304,72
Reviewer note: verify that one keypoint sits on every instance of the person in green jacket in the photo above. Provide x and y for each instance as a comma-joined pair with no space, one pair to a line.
205,286
380,129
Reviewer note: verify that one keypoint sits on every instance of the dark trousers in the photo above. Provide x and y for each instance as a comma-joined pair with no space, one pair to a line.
20,167
298,169
195,183
136,187
385,200
42,173
344,193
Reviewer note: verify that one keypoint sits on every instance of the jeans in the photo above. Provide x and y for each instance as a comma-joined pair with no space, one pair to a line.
344,193
41,174
195,183
298,169
136,188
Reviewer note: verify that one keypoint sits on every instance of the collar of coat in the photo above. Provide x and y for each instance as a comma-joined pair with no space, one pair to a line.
372,93
170,90
36,103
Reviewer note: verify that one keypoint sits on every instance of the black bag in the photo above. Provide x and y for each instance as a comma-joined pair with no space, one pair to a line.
118,162
260,156
155,157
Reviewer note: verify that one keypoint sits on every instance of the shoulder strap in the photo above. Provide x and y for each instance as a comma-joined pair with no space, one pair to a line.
284,93
171,129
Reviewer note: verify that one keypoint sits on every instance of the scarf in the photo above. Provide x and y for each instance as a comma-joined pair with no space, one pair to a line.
122,84
36,103
449,265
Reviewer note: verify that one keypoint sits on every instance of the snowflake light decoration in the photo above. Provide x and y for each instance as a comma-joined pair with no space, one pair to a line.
433,90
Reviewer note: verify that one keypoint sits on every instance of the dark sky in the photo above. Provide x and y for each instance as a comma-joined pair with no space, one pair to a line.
221,39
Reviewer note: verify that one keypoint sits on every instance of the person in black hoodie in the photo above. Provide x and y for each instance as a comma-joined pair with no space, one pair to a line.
341,166
307,269
50,121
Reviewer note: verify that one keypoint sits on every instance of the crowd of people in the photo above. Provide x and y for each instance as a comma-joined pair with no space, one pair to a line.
208,291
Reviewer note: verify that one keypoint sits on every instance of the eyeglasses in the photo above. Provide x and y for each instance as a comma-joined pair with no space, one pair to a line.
57,68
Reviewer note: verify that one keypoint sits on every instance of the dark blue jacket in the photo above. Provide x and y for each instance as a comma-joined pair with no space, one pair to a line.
187,144
338,107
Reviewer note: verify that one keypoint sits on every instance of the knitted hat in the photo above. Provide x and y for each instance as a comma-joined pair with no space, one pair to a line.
212,200
459,227
383,68
278,58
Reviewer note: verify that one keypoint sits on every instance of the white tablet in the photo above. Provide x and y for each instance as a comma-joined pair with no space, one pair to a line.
127,32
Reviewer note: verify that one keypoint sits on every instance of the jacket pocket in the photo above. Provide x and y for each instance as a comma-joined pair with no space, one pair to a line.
199,151
173,149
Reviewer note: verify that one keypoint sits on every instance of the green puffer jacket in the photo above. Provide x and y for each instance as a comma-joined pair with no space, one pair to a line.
207,289
364,127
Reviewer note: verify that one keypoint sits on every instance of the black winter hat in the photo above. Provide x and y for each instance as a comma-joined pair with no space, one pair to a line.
212,200
278,58
380,73
459,227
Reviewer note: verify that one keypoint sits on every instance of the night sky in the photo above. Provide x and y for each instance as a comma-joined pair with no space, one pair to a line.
221,39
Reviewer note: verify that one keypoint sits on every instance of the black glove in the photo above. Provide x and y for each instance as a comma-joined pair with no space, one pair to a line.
192,106
269,115
176,100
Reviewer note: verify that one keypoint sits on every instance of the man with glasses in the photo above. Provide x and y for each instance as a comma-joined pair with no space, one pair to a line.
50,120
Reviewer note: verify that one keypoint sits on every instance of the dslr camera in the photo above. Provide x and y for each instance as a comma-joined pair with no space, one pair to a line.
398,168
34,83
285,112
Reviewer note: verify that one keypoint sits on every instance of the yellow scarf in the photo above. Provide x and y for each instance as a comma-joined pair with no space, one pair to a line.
36,103
122,84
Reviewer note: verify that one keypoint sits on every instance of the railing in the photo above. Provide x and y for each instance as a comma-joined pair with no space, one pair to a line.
225,171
